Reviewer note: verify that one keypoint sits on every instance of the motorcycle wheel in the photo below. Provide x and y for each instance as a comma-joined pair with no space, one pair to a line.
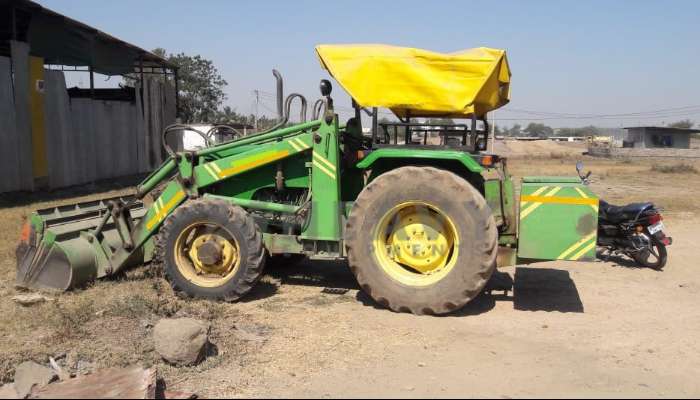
654,258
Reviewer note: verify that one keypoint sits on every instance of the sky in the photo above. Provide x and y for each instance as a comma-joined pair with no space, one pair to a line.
574,63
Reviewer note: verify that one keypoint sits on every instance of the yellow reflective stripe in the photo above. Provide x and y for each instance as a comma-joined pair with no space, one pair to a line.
155,206
324,170
323,160
215,167
301,143
576,246
593,206
295,146
583,251
559,200
535,193
254,162
211,172
164,210
534,206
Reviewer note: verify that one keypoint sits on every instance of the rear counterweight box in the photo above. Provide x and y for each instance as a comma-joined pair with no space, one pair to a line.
558,220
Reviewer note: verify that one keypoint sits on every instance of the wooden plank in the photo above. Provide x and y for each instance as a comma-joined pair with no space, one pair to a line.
116,383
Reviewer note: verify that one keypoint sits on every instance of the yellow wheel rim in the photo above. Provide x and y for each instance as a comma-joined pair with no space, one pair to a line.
416,243
206,254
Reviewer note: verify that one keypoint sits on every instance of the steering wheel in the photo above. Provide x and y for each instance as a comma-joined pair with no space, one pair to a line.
181,127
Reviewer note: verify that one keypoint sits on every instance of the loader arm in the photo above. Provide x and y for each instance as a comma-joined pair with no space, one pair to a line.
96,240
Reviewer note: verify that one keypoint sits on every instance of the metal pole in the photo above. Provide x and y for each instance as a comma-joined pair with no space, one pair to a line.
14,24
141,71
375,125
92,83
493,133
257,102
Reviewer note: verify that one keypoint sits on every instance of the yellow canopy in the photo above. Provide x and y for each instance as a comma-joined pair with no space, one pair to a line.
420,83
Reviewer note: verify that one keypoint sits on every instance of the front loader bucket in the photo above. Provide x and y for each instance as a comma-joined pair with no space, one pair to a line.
59,249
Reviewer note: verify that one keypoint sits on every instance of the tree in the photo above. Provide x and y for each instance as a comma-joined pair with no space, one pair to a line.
683,124
228,115
585,131
515,130
200,84
537,129
440,121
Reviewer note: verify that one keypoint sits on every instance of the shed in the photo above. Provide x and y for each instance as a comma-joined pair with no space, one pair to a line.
54,137
654,137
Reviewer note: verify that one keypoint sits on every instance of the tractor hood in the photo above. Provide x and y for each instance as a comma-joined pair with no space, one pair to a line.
420,83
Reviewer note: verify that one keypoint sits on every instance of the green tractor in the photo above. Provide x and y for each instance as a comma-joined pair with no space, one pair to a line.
421,212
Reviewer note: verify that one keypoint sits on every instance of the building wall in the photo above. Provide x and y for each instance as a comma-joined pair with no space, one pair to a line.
82,140
638,152
635,137
649,138
658,138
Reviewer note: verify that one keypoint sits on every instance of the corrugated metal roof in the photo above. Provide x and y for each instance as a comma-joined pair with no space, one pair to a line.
62,40
666,128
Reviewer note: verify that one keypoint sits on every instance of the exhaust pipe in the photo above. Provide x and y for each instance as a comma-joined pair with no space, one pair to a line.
280,95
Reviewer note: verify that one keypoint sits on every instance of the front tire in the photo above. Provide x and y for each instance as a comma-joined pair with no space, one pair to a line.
421,240
211,249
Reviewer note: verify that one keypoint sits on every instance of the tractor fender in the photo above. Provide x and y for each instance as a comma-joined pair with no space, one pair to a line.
422,156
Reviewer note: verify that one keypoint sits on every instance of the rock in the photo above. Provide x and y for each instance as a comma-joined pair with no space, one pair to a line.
8,392
83,367
62,375
117,383
181,341
30,375
30,299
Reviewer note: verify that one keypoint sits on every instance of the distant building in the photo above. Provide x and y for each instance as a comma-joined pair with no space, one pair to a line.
654,137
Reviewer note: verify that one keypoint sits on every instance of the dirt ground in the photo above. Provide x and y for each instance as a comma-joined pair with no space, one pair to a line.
566,330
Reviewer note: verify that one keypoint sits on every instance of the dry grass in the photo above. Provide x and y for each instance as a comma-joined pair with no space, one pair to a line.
681,168
625,180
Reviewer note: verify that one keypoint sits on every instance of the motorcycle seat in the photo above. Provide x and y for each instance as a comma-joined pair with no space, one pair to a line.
620,213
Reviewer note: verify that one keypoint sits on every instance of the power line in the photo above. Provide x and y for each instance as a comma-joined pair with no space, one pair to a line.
690,110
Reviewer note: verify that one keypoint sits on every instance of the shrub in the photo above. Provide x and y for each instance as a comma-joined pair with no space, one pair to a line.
681,168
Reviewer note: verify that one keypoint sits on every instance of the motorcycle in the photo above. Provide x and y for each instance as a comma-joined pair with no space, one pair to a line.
635,230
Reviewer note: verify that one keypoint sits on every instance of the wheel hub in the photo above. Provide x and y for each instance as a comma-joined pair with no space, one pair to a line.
213,254
419,241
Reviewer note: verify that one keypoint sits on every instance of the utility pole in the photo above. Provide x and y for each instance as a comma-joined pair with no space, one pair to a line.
257,103
493,132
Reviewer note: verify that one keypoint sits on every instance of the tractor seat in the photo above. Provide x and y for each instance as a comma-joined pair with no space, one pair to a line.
620,213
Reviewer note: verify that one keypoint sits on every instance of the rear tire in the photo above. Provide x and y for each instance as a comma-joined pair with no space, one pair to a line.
443,194
642,257
231,223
